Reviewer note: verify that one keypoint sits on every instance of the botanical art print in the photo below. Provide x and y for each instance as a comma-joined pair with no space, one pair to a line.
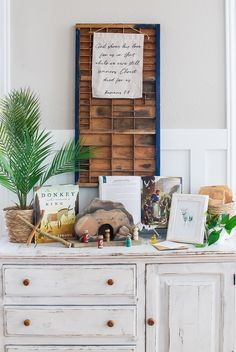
187,218
187,215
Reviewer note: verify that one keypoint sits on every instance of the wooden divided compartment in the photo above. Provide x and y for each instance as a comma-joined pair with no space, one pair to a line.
126,132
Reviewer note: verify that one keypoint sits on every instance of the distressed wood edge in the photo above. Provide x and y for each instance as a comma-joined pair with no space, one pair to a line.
114,25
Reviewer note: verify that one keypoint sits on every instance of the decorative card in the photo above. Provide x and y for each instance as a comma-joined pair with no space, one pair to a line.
157,194
117,65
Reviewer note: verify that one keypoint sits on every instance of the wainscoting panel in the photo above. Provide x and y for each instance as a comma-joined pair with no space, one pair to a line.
177,163
199,156
203,159
215,167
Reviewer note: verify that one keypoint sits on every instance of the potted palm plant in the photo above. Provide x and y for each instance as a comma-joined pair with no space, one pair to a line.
24,151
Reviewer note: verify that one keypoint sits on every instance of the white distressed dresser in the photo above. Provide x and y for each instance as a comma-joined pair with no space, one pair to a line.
119,299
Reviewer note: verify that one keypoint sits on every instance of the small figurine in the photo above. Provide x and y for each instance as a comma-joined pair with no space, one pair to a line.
107,235
100,241
86,236
128,242
135,233
153,239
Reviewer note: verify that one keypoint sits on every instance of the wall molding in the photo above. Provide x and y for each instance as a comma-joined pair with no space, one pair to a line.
4,47
193,154
199,145
230,49
202,152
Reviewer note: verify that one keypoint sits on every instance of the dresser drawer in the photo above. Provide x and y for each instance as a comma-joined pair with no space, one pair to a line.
85,321
69,280
70,349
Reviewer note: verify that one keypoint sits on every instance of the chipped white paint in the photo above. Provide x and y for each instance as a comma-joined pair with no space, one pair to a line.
192,305
70,349
217,253
69,280
189,294
72,321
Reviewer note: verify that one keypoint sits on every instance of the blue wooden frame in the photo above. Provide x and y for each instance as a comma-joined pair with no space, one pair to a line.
158,100
77,89
158,114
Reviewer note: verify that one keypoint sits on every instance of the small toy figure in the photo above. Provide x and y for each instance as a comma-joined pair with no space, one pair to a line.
128,241
135,233
107,235
153,239
86,236
155,199
100,241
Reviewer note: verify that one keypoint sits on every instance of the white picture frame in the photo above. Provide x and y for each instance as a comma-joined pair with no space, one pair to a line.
187,218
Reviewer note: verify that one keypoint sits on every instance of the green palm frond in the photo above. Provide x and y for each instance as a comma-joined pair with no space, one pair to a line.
70,158
18,104
6,175
24,149
34,151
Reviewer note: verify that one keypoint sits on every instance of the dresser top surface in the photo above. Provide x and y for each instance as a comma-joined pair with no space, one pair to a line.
221,251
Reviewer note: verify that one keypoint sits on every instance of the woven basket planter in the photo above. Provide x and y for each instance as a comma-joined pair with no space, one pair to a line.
228,208
18,231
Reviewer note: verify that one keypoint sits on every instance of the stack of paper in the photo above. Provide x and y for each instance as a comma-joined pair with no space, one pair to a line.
168,245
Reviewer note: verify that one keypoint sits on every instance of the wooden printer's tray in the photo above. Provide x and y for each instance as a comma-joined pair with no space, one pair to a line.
126,132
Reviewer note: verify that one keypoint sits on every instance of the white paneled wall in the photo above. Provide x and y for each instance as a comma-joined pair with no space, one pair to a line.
177,162
199,156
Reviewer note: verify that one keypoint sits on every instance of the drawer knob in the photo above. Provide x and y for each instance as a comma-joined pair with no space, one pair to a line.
110,282
27,322
151,322
110,323
26,282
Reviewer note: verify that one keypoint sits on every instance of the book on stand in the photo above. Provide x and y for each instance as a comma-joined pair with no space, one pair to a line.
123,189
147,199
60,204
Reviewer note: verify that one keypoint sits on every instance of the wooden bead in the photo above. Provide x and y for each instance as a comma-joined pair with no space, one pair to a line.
110,323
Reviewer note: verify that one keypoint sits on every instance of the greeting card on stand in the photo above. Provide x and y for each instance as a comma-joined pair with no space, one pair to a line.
156,197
